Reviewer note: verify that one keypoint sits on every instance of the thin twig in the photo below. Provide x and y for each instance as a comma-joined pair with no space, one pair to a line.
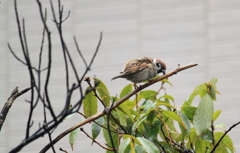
9,103
119,132
212,127
108,126
81,129
79,51
219,141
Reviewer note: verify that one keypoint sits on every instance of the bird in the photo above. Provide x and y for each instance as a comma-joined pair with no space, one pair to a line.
142,69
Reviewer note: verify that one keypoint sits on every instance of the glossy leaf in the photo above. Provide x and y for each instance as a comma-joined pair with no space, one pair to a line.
148,94
199,90
213,89
225,143
207,136
168,128
220,126
122,118
123,146
148,145
201,145
216,114
138,123
165,104
192,137
189,111
72,137
151,117
168,97
124,108
138,149
153,130
96,129
102,91
185,121
130,104
90,103
166,81
114,136
127,89
173,116
203,115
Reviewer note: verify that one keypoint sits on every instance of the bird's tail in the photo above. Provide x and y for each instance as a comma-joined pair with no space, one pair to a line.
115,77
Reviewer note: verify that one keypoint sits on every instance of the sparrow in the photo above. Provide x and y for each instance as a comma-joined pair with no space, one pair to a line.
142,69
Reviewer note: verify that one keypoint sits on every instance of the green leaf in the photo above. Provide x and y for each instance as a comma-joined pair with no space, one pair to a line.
199,90
127,89
90,103
216,114
201,145
122,117
166,81
124,108
225,143
220,126
73,136
96,129
189,111
148,145
203,115
130,104
102,90
192,137
213,89
173,116
207,136
123,146
153,130
151,117
114,136
165,104
138,149
185,121
138,123
168,97
149,94
168,128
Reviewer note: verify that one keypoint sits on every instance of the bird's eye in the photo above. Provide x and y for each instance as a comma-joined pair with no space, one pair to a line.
158,64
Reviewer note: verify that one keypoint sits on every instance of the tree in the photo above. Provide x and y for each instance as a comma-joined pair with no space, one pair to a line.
147,123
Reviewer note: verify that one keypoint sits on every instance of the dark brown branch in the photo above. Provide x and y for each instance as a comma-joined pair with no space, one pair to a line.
108,126
119,132
219,141
81,129
79,51
213,129
9,103
61,149
100,114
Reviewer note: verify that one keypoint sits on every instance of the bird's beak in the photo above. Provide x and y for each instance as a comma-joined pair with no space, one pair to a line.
163,71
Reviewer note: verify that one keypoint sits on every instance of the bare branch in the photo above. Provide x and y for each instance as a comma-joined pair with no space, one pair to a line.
81,129
219,141
9,103
79,52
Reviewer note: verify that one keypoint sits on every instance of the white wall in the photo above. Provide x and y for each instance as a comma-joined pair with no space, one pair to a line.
178,32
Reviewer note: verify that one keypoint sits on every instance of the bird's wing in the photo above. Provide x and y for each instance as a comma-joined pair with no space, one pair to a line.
136,65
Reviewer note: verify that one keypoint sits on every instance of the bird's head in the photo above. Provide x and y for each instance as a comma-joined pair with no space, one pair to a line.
160,66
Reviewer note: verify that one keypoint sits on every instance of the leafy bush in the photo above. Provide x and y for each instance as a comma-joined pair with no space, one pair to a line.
151,122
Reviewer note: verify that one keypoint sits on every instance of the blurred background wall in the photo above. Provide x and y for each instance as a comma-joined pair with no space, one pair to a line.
206,32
